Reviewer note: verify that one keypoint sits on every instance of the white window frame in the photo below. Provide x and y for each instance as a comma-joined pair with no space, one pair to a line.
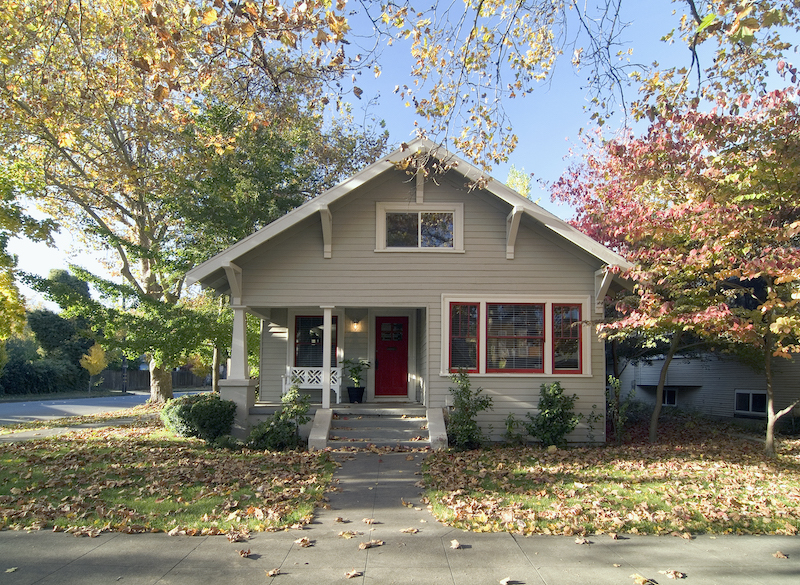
457,209
750,412
313,312
548,302
665,402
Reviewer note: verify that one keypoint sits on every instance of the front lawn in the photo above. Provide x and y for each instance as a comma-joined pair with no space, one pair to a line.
702,478
139,478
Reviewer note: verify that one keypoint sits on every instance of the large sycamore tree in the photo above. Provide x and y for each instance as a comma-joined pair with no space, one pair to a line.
122,149
705,205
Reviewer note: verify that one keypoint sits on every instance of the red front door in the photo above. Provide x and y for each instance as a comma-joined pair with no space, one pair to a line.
391,356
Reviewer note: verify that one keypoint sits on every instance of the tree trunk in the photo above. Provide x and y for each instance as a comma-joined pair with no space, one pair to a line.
160,384
662,379
215,370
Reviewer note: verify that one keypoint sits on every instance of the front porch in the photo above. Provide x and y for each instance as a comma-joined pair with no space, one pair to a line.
295,342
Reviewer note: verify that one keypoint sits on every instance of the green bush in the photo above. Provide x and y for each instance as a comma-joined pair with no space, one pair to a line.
281,431
204,416
463,431
556,417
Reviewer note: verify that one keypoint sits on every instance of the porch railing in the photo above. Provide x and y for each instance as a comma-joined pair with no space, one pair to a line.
311,379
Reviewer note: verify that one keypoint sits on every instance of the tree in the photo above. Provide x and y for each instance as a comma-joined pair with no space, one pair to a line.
705,205
519,181
94,362
87,99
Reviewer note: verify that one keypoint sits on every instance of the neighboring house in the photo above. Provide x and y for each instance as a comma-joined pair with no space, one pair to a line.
422,276
715,385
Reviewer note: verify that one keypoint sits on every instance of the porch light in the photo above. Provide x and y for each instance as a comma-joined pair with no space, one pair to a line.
355,326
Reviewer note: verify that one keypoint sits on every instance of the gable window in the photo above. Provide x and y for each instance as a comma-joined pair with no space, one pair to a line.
489,337
421,227
308,342
419,230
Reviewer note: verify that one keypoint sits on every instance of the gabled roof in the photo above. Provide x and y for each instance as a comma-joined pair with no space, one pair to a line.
212,273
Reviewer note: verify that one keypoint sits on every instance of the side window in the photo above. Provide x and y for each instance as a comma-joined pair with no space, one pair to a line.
308,342
567,338
464,336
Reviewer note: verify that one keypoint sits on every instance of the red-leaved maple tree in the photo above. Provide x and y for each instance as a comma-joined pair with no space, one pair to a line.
706,206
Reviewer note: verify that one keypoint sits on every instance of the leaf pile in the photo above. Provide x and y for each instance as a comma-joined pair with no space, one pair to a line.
137,479
722,484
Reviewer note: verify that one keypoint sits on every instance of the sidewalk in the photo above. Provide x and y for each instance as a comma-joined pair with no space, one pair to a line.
375,486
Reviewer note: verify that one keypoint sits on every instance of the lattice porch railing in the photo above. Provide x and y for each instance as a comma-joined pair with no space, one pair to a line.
311,379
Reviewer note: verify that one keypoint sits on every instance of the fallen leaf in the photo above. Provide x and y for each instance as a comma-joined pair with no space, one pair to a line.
642,580
273,572
454,544
406,504
779,555
349,533
671,574
340,520
613,535
368,521
506,581
616,565
370,544
304,542
409,458
244,553
582,540
11,569
352,574
410,530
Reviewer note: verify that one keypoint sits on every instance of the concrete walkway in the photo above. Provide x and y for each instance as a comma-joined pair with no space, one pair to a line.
375,486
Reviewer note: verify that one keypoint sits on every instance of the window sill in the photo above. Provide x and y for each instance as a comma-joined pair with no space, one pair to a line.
517,375
421,250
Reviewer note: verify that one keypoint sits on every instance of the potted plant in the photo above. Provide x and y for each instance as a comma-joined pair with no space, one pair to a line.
355,371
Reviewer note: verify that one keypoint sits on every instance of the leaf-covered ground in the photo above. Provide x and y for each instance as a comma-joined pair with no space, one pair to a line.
138,478
699,479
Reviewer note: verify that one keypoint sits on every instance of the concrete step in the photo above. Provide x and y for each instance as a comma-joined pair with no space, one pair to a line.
361,430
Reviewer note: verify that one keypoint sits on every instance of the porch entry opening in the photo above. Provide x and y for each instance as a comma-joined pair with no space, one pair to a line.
391,356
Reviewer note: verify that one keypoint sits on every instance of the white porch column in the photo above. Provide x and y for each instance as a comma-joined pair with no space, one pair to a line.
327,338
239,368
238,386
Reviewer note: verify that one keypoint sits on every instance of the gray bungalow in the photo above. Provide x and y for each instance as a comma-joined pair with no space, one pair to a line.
422,274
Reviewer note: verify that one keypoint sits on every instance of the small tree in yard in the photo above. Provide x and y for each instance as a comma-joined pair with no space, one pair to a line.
556,417
463,431
94,362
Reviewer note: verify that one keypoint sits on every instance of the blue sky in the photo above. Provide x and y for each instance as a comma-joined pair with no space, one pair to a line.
548,122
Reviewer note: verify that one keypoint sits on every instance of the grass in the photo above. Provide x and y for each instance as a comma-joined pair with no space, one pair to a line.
139,478
701,478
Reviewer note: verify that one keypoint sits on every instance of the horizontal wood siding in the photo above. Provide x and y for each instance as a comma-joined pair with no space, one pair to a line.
714,381
274,349
290,271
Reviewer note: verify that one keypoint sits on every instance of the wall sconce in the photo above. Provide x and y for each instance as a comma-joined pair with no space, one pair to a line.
355,326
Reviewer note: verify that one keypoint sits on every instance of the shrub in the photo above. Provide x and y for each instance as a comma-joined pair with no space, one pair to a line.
556,417
281,431
463,431
199,415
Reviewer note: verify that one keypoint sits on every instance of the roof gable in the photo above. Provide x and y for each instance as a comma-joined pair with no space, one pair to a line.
214,272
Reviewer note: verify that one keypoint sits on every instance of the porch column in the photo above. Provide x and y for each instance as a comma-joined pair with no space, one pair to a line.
239,369
327,338
238,386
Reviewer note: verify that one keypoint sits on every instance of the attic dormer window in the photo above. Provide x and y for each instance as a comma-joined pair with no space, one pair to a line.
413,227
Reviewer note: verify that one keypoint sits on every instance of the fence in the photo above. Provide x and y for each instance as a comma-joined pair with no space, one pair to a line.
140,380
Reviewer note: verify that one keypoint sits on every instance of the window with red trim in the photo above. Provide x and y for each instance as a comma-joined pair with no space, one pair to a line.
308,341
515,337
566,339
464,319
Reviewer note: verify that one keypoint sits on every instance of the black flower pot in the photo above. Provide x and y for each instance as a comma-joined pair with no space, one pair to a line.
356,394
